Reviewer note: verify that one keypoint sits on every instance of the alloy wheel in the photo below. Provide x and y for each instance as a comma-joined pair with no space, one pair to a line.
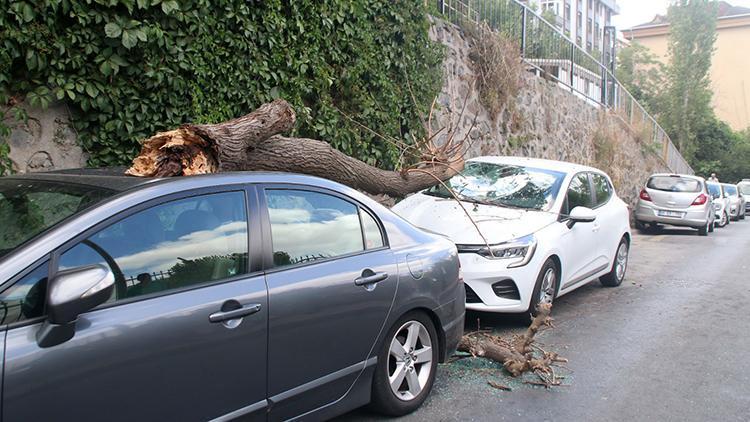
621,263
409,360
549,284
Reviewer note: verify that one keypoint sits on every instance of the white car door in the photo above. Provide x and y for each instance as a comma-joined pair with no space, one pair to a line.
608,220
579,243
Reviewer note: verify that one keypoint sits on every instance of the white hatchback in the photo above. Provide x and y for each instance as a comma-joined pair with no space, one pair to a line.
547,228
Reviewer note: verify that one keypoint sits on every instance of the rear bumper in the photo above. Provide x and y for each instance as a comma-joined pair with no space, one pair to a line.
453,330
695,217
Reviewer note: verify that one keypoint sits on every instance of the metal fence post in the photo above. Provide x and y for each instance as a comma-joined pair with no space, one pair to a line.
441,6
604,88
572,65
523,32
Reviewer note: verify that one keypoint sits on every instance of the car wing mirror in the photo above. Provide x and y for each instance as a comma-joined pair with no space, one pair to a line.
71,293
581,215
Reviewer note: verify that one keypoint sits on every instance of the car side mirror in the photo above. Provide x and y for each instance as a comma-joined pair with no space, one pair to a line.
71,293
581,215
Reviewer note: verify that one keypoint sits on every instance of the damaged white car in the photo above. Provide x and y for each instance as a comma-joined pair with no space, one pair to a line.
547,228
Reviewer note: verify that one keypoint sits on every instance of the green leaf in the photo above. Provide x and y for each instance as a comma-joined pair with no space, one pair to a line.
169,5
129,39
112,30
28,13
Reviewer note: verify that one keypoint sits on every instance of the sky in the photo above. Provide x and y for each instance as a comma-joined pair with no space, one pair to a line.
634,12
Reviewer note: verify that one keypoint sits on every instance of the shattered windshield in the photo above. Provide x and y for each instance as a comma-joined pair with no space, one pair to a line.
503,185
29,207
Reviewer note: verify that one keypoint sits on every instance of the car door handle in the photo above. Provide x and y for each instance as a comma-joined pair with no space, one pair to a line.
244,311
370,277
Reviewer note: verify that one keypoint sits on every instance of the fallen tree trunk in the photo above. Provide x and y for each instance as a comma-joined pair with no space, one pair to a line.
517,356
251,142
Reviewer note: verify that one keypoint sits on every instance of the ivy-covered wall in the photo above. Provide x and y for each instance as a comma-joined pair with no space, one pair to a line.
130,68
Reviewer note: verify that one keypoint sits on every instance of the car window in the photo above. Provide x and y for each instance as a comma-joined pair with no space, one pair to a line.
602,188
29,207
307,226
674,184
371,229
579,193
25,299
169,246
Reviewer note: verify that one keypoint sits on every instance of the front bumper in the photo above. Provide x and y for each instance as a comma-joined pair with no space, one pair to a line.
694,216
480,274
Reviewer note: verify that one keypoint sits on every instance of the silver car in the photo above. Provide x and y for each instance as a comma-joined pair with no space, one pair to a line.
251,296
737,202
676,200
721,203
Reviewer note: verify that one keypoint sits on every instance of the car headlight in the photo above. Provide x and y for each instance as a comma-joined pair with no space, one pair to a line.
520,250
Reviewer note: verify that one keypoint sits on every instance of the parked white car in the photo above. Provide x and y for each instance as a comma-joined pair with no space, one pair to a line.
736,202
547,228
721,203
744,188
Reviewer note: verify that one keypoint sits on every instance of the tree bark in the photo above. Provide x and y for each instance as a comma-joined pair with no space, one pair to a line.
251,142
516,356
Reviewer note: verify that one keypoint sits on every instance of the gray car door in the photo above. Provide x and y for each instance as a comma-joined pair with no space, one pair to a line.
163,347
332,281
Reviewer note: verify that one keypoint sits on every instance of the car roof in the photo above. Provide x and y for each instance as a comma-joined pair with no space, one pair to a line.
563,166
689,176
114,178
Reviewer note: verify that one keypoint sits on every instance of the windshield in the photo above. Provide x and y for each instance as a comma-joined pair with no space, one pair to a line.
744,188
714,189
504,185
29,207
731,190
674,184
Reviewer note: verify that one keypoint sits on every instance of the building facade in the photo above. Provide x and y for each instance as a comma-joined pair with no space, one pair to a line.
730,65
583,21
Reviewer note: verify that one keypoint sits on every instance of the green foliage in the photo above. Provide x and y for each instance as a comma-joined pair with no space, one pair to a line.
642,74
131,68
722,151
688,96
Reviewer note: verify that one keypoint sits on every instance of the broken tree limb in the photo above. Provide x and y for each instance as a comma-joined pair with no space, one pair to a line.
516,356
252,142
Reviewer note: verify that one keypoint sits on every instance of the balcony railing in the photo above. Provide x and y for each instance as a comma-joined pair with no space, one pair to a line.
546,48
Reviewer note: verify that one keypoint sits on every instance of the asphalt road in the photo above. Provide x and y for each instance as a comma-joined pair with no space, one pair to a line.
671,344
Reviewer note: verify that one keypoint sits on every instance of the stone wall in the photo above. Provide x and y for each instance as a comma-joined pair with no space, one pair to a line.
550,122
46,141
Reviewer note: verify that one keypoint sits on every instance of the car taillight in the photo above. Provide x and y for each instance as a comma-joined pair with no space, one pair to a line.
700,200
644,195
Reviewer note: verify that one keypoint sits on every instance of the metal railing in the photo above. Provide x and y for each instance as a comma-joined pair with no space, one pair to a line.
555,56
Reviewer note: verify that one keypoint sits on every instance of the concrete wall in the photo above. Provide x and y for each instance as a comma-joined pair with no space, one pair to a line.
46,141
549,122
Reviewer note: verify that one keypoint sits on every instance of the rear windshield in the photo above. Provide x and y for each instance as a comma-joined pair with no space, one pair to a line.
731,190
744,188
29,207
674,184
714,189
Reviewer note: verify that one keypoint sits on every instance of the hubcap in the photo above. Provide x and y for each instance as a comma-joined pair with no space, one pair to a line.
622,261
549,284
409,360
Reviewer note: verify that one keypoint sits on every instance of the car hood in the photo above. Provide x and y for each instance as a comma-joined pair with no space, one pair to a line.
497,224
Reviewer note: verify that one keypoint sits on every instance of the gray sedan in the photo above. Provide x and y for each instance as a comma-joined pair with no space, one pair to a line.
242,295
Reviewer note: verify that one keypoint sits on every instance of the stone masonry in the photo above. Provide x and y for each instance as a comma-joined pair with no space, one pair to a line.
551,122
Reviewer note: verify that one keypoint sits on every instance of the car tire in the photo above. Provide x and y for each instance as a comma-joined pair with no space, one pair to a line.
619,265
703,231
405,397
549,276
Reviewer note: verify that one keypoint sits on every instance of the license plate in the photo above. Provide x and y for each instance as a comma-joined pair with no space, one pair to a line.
676,214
